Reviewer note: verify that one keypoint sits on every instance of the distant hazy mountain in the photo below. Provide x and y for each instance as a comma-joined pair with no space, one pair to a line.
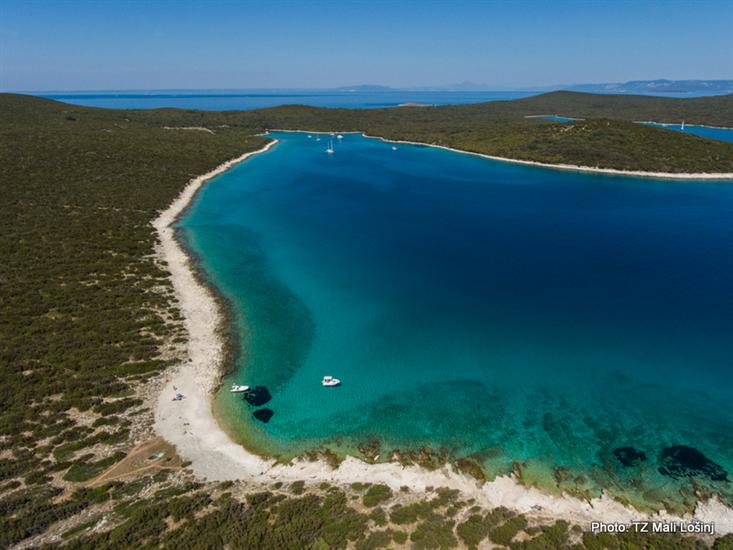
658,86
654,87
457,87
366,88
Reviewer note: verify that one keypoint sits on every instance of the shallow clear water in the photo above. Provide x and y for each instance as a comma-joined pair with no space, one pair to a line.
504,312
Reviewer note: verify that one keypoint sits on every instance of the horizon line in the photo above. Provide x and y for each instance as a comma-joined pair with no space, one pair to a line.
471,87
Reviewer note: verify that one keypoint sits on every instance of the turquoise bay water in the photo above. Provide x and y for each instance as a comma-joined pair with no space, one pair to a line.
506,313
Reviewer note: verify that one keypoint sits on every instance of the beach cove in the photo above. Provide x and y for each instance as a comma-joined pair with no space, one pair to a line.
286,317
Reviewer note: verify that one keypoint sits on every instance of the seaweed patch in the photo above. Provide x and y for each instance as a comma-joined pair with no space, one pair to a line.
257,396
628,456
263,415
683,461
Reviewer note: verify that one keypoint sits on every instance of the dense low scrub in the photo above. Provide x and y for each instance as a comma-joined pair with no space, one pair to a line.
376,494
84,306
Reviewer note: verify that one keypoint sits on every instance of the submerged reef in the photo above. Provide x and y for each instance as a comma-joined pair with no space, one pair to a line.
263,415
628,456
258,396
683,461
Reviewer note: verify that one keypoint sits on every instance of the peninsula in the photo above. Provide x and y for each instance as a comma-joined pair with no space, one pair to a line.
104,317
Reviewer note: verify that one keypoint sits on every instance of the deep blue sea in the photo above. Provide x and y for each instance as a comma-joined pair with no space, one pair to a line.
232,100
528,318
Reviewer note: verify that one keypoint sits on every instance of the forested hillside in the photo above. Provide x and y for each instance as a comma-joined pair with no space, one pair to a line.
711,111
607,138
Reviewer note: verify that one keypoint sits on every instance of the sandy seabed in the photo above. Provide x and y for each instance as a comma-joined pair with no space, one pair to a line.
190,425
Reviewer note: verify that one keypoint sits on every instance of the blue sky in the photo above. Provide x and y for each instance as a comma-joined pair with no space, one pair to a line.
78,45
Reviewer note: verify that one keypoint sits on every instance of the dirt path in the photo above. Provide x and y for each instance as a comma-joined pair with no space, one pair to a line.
149,457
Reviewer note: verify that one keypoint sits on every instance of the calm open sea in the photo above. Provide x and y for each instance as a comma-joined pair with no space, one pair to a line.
578,325
225,101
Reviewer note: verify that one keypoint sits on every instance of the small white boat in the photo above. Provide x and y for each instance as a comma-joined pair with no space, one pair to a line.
394,147
682,129
236,388
309,136
330,148
339,136
330,381
318,139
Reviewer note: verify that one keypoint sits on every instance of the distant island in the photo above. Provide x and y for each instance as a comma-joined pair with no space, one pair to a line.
661,86
656,87
365,88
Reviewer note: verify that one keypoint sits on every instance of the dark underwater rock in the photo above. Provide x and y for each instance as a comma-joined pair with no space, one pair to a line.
628,456
263,415
683,461
257,396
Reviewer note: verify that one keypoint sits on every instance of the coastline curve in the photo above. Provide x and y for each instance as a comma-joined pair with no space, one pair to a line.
724,176
191,427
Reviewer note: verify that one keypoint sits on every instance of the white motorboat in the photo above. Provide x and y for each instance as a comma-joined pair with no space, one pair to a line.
330,148
394,148
339,136
236,388
330,381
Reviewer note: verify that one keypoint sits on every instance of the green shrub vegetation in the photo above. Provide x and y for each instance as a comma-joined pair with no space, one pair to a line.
82,470
630,539
434,532
84,306
264,522
406,515
376,494
554,536
378,516
297,487
375,539
472,531
504,533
